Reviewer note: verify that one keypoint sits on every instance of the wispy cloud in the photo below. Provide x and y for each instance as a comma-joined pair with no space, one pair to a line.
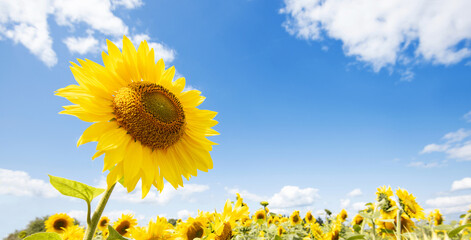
26,22
385,33
287,197
455,144
420,164
355,193
20,183
464,183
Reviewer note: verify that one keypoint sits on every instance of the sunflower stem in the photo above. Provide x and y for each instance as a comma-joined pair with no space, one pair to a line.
91,227
398,227
89,221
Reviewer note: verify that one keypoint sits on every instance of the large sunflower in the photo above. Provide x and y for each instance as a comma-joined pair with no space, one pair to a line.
145,124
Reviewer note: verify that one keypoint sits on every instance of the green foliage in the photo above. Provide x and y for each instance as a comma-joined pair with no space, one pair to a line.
114,235
75,189
44,236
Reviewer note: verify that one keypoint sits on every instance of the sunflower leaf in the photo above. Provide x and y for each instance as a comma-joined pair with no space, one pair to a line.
44,236
75,189
356,237
114,235
457,230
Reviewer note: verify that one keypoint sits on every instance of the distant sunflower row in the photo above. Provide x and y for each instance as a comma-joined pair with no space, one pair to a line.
386,218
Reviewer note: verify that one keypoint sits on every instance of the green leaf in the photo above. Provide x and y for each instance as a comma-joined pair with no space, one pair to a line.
365,215
357,228
114,235
376,215
457,230
443,227
356,237
75,189
44,236
278,237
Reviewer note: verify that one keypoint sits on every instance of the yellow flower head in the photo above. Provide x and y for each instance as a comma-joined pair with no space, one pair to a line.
103,223
342,216
147,126
309,218
125,224
295,219
260,215
280,230
73,232
155,230
192,228
410,206
334,233
435,217
357,220
58,222
384,195
316,231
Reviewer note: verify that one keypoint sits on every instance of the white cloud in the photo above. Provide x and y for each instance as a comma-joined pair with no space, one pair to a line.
80,215
357,206
19,183
293,196
344,203
450,201
287,197
467,116
184,214
383,33
99,17
454,146
464,183
81,45
129,4
355,193
246,195
26,22
420,164
168,193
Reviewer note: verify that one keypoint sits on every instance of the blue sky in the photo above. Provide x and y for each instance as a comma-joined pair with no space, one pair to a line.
319,103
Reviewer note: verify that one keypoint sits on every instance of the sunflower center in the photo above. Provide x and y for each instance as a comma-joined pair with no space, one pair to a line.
150,113
195,231
295,218
103,223
123,227
59,224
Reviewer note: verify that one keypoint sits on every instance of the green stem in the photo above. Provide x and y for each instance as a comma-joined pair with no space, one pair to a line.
374,230
398,227
91,228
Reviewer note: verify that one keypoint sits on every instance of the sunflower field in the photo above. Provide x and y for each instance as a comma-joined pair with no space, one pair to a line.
390,216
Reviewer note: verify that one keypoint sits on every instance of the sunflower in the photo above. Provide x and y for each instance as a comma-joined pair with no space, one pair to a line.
342,216
384,195
191,229
357,220
58,222
309,218
410,206
103,223
155,230
435,217
280,230
260,215
295,218
145,124
316,231
334,233
125,224
73,232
